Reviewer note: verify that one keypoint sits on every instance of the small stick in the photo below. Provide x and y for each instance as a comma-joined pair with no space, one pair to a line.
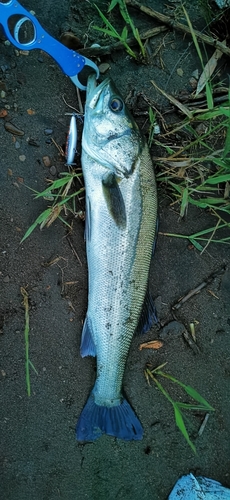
190,342
189,295
203,425
199,287
73,249
179,26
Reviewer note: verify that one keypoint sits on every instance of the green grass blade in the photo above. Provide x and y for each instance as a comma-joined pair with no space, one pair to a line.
107,23
217,179
196,244
59,183
26,336
184,202
188,389
195,395
181,425
38,221
188,406
33,367
113,4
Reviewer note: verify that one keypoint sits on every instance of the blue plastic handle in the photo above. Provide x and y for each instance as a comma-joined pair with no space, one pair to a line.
70,61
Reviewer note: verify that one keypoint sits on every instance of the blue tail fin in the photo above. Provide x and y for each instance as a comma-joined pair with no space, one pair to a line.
119,421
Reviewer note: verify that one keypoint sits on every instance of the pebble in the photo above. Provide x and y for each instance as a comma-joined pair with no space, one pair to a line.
172,330
104,67
48,131
3,94
53,170
13,129
22,157
46,161
33,142
17,145
40,59
6,279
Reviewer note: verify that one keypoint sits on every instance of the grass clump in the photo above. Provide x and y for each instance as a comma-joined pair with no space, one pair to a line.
111,31
196,166
58,192
178,407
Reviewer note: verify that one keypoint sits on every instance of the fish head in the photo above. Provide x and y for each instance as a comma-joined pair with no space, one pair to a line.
110,135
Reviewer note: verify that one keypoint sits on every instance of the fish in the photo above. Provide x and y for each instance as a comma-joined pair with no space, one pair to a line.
121,217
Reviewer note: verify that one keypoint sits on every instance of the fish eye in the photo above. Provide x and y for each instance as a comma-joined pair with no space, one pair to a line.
116,104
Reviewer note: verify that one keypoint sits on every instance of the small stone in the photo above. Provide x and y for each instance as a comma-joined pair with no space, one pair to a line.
13,129
33,142
22,157
6,279
7,106
48,131
53,170
17,145
104,67
40,59
3,94
46,161
7,43
172,330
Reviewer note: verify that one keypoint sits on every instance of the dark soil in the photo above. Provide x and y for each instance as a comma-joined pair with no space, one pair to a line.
40,458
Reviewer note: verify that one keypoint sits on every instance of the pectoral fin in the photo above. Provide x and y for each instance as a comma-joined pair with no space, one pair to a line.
114,199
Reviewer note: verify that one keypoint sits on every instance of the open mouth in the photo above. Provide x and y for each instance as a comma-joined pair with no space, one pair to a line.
93,91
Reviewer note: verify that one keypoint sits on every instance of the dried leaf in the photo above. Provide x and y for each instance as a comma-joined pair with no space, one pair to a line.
31,111
209,69
174,101
153,344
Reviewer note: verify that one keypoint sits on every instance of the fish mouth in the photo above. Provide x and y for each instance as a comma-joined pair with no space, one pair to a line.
93,91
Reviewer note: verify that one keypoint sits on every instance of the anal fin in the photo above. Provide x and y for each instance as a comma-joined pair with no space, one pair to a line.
88,347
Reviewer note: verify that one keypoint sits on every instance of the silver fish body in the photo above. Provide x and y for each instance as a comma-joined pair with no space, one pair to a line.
121,210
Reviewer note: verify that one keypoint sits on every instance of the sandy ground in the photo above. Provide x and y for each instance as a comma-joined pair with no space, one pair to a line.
39,456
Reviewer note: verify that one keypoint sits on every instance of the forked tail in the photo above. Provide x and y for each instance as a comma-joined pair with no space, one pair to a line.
119,421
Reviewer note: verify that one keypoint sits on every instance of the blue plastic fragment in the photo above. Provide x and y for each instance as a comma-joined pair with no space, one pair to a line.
198,488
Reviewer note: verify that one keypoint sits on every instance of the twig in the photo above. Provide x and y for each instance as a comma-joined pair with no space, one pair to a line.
209,240
199,287
108,49
203,425
190,342
179,26
189,295
73,249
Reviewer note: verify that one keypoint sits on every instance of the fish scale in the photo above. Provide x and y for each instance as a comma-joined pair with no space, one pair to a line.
121,221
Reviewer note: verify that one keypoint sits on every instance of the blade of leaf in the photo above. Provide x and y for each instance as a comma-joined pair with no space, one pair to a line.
180,423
